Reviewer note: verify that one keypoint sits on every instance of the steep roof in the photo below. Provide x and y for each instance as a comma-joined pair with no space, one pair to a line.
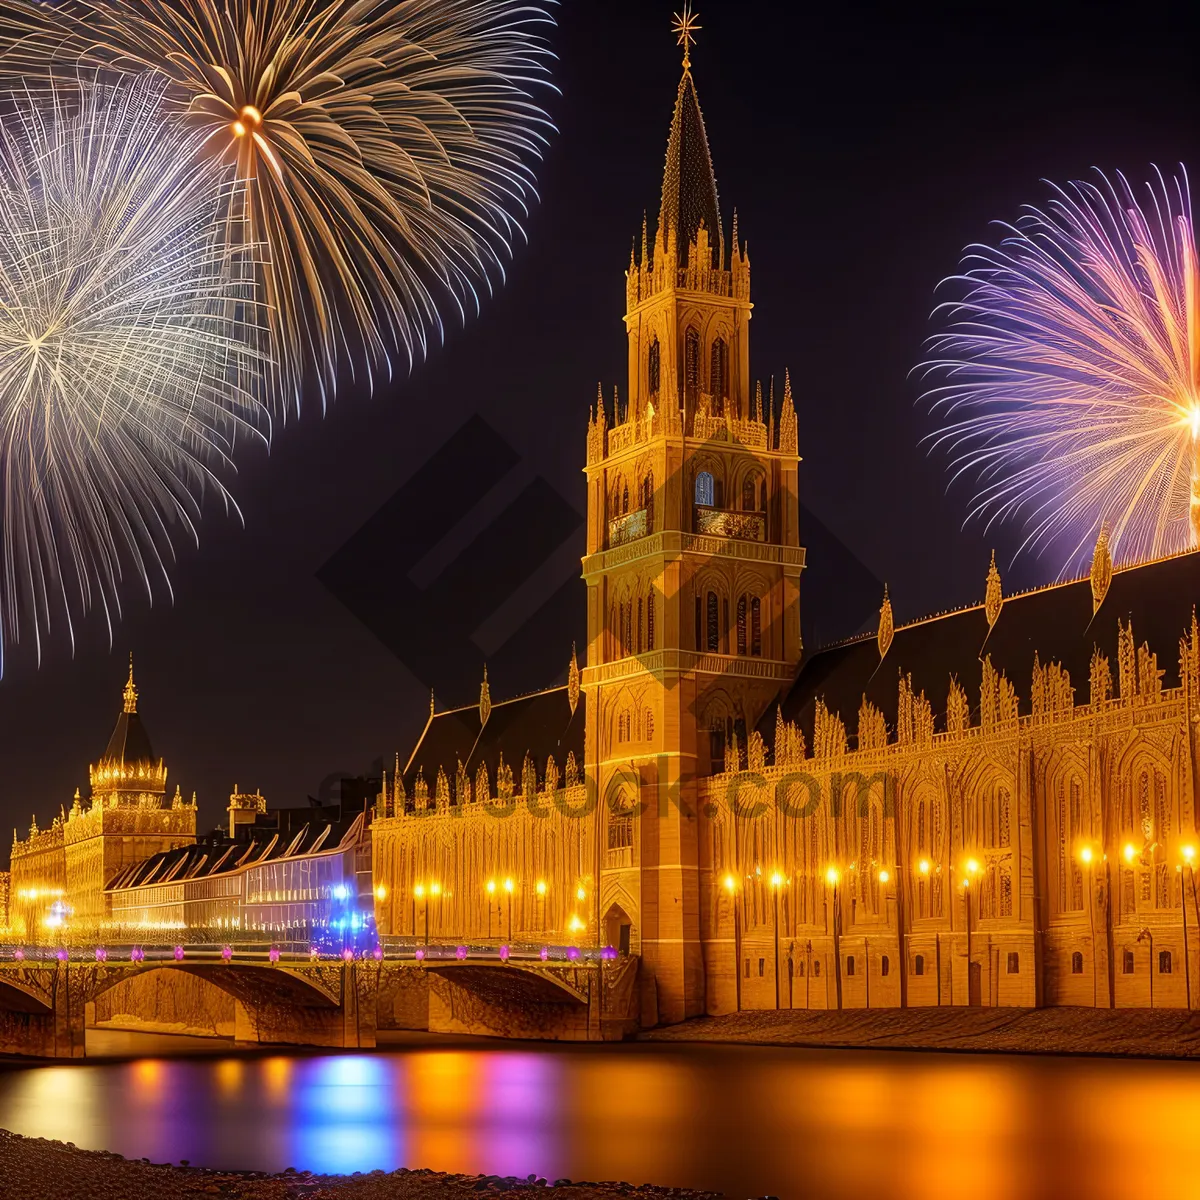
130,743
219,854
541,724
1056,623
689,191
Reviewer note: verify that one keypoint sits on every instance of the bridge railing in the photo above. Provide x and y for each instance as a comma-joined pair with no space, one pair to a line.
391,949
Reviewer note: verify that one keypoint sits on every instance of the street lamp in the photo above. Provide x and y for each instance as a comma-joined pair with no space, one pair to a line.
1188,854
731,887
970,870
832,878
490,888
509,887
1087,856
776,884
540,889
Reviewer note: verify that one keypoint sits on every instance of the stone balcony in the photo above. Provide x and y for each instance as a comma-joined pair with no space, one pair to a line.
740,526
628,528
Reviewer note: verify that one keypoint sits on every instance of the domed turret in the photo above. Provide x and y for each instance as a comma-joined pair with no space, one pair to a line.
128,771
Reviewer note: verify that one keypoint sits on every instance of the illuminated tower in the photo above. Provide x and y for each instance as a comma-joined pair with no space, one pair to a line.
129,818
693,565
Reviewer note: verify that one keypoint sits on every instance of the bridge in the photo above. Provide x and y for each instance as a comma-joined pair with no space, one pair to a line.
294,994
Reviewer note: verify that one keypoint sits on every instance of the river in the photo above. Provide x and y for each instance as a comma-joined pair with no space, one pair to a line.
748,1121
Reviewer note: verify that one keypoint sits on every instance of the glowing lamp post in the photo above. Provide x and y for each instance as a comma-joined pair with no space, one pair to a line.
490,888
540,889
832,878
731,887
1188,854
509,888
971,870
776,884
1087,857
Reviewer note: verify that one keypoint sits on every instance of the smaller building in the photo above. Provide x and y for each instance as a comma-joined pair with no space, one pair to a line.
284,873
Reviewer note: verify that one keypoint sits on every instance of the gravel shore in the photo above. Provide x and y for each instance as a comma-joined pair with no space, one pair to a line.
1146,1033
36,1169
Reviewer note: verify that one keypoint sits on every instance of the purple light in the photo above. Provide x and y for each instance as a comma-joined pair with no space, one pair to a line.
460,953
544,953
179,954
273,954
347,954
419,954
377,953
312,952
19,955
573,953
101,954
62,955
226,952
504,954
608,954
137,954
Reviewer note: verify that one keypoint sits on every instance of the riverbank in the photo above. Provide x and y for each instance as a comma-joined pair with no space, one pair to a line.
36,1169
1145,1033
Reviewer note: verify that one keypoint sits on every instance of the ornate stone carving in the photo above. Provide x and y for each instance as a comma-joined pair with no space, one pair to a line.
485,699
958,709
573,681
788,440
789,740
914,715
872,727
1051,691
829,732
887,625
1102,569
1101,679
994,599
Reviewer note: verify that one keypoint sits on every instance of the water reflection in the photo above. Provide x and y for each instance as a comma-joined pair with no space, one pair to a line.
747,1121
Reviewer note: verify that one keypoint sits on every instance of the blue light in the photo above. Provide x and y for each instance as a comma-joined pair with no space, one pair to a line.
341,892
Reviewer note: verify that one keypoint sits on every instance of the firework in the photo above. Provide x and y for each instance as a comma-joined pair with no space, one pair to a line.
386,146
1066,378
127,367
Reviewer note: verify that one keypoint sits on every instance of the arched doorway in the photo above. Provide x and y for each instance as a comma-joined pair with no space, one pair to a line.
618,929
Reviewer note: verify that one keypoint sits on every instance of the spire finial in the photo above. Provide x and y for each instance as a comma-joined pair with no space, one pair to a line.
130,693
684,27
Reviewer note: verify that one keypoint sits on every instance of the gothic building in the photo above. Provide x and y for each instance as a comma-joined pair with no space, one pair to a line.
993,806
61,872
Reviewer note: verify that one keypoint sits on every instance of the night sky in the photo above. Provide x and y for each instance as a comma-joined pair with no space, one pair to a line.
862,148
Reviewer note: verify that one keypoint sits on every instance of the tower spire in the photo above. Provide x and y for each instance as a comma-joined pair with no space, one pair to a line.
689,193
130,693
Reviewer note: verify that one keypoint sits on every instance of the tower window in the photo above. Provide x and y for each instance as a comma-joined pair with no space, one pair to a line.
647,492
1127,963
850,965
1014,964
691,377
885,965
1164,962
714,624
716,747
1076,963
741,626
919,965
704,489
718,377
654,368
748,495
756,627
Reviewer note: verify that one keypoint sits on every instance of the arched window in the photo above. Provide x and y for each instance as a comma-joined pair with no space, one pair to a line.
756,627
741,625
716,747
648,726
850,965
817,968
704,489
1164,962
654,368
625,500
647,492
718,375
1076,963
748,494
762,495
640,615
650,620
919,965
1127,963
1014,964
714,624
884,965
691,368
